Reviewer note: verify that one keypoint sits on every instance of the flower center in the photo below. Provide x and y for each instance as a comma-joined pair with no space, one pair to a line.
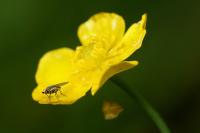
90,56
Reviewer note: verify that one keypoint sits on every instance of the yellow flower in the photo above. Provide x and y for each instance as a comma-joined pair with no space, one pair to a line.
104,48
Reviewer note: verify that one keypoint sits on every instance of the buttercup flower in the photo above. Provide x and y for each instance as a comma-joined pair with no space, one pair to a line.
104,48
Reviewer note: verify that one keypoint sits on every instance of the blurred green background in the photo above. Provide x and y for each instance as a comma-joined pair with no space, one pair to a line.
168,74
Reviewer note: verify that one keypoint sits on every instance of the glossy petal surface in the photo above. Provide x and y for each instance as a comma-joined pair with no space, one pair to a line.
101,55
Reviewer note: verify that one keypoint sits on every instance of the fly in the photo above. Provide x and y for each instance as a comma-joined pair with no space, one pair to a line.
53,89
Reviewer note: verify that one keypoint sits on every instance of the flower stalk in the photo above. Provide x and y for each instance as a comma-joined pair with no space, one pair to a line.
150,111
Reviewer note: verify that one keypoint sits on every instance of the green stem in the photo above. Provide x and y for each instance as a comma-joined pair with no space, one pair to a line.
151,112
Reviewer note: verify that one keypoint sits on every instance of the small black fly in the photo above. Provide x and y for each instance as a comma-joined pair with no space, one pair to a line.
53,89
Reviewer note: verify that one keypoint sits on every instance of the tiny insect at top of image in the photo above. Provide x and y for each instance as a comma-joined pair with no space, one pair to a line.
53,89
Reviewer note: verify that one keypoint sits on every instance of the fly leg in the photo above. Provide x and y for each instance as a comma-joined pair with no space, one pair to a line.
56,94
49,97
61,92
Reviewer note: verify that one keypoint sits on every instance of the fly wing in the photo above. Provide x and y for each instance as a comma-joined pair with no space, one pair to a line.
61,84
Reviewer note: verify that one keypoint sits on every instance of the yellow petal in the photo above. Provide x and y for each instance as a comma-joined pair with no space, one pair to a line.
55,66
103,76
111,110
131,41
59,66
107,28
77,87
89,57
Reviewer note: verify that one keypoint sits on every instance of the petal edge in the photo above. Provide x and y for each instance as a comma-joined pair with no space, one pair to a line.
104,76
131,41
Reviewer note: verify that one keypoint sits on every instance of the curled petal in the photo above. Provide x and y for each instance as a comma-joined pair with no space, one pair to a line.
131,41
103,76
